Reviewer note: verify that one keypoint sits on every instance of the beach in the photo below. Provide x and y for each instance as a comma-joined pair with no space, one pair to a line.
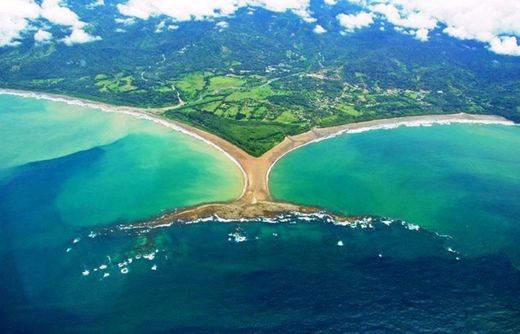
255,199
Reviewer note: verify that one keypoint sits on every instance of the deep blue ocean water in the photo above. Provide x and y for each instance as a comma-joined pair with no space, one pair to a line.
283,278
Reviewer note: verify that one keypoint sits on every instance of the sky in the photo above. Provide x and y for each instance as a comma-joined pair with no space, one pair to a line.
495,23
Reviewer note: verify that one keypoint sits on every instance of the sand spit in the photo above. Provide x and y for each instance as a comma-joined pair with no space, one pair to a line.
256,200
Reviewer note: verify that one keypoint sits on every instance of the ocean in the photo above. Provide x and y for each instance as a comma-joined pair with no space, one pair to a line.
442,258
456,180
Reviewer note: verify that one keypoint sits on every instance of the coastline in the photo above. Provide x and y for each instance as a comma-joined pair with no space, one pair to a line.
389,124
255,199
141,113
235,212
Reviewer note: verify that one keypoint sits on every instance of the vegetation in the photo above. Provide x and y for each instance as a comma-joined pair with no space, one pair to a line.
117,84
267,75
255,137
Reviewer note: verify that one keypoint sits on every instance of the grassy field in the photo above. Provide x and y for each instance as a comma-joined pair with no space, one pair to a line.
116,84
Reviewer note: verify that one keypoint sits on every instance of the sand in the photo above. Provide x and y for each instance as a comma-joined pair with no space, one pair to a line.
258,169
256,200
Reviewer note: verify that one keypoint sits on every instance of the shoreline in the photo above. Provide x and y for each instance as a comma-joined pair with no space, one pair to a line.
140,113
415,121
255,199
268,212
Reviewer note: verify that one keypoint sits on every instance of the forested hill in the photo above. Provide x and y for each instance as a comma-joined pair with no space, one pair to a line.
257,76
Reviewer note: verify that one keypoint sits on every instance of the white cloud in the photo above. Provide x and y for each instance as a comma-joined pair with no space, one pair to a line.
422,34
97,3
182,10
163,25
352,22
222,24
505,46
128,21
494,22
42,36
52,11
160,27
319,29
79,36
16,17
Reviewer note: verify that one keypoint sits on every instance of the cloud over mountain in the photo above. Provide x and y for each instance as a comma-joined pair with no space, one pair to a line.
357,21
181,10
494,22
17,16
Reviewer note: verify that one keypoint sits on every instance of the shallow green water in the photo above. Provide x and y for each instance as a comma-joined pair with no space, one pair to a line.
123,168
460,180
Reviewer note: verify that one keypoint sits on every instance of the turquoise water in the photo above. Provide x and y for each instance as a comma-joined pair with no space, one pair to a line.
115,167
69,176
459,180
